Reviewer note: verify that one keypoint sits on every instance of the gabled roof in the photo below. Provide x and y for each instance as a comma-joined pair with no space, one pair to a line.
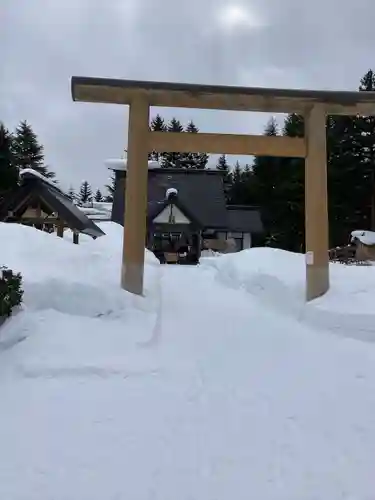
244,219
201,192
34,187
154,209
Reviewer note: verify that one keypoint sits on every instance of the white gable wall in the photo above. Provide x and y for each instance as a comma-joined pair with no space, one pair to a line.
164,216
246,240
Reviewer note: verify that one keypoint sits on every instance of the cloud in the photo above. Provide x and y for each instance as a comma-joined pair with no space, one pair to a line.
321,44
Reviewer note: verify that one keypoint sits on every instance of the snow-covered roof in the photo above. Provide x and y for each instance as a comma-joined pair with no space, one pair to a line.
122,164
30,172
96,211
365,237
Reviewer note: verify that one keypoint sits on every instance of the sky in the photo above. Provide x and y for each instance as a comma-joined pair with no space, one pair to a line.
325,44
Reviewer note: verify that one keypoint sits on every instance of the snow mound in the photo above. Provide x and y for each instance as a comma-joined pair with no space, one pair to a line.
277,278
200,390
80,280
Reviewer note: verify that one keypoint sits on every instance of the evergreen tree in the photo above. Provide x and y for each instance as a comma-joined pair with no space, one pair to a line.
111,188
175,159
195,160
98,196
237,191
222,163
223,166
85,193
157,125
266,174
351,168
292,190
27,151
175,126
366,128
345,186
8,171
71,193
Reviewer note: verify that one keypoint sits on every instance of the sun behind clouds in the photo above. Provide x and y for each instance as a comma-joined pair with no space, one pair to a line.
237,15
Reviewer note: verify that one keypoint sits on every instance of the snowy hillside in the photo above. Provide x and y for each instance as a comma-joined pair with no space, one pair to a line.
220,383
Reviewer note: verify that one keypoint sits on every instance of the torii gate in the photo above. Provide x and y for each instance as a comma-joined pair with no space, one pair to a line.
314,106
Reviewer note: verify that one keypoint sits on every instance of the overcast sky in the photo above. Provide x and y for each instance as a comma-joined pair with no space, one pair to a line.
324,44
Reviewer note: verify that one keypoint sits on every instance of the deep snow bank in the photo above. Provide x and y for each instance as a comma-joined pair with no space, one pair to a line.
234,401
80,280
277,278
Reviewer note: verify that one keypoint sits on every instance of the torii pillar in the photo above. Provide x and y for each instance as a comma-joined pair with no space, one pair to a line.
135,219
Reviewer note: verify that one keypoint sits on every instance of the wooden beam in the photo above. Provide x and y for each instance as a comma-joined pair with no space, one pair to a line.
184,95
316,205
259,145
136,199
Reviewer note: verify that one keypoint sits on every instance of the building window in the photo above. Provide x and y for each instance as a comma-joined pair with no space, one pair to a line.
238,238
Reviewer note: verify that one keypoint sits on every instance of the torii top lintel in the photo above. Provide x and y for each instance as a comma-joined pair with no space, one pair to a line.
187,95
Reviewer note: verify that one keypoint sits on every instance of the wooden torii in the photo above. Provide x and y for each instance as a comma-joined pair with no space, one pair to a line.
313,105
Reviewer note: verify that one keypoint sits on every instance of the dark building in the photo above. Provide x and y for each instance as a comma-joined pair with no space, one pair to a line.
187,212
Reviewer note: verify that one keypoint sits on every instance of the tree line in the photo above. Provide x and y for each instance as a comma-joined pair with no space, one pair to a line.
275,185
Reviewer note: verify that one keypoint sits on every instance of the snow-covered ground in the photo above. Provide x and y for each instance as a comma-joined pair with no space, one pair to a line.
218,384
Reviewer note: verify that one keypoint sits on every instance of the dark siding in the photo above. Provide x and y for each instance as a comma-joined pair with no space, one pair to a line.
244,220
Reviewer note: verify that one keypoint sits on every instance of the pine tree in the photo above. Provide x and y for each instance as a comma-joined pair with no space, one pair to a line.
157,125
8,171
223,165
27,151
195,160
266,170
237,191
175,126
111,188
292,191
351,166
366,127
85,193
98,196
173,159
277,189
71,193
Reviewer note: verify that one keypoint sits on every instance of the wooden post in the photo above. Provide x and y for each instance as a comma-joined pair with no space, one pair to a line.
136,198
316,205
60,229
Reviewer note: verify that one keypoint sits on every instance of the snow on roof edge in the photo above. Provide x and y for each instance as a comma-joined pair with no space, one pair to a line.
122,164
30,172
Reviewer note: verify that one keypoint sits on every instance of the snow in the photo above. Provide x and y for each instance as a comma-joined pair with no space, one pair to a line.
216,384
96,213
171,192
277,279
27,172
365,237
122,164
